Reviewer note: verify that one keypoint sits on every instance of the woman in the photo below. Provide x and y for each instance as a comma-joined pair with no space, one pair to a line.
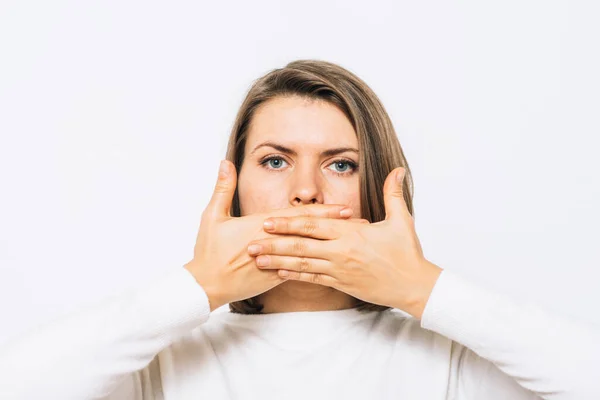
309,237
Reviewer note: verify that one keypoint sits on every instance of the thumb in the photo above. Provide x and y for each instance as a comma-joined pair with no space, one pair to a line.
222,197
393,193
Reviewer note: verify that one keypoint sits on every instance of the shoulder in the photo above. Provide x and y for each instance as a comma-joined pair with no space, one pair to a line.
408,328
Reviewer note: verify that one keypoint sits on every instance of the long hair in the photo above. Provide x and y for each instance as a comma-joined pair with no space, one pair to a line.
379,149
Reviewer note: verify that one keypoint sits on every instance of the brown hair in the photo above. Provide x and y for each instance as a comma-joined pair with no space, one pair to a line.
379,149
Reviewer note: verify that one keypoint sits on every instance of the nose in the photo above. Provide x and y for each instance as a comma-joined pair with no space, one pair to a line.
306,187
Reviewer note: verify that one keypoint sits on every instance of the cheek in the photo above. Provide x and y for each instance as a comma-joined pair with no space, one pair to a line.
353,201
346,192
257,194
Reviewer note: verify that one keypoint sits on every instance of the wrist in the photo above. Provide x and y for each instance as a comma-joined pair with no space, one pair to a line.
211,294
421,289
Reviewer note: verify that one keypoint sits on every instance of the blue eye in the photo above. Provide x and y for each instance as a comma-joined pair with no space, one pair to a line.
341,165
344,167
275,162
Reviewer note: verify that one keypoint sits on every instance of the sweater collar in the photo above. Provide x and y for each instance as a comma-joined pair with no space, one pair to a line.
299,330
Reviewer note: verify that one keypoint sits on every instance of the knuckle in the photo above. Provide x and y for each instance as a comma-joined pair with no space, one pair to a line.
347,259
222,186
310,225
303,264
299,247
315,278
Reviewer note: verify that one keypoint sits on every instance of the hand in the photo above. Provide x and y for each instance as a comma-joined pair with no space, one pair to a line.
221,264
380,263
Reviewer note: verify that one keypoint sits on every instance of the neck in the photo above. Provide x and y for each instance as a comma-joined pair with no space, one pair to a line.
293,296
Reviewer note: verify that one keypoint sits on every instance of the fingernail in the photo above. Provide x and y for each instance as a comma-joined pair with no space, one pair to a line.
223,169
262,261
346,212
254,249
283,273
269,225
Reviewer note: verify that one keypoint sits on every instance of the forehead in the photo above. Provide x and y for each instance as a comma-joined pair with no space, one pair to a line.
300,123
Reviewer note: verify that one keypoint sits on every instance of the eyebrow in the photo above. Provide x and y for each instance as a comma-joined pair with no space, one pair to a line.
287,150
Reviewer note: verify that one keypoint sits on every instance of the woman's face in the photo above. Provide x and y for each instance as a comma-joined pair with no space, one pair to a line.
298,152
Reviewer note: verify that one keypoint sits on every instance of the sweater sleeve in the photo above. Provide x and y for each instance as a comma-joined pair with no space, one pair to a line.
553,357
102,352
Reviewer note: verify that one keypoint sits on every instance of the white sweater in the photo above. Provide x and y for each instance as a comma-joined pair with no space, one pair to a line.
157,342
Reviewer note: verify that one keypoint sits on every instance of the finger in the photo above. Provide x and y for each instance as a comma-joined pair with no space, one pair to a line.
318,279
317,228
299,264
294,246
222,197
272,276
314,210
393,193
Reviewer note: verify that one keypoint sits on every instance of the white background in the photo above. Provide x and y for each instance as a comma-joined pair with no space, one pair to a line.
114,116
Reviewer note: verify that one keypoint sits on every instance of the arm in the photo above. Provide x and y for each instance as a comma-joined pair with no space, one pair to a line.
104,349
551,356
